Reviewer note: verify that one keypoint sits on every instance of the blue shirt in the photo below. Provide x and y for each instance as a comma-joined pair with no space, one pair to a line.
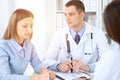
14,59
73,33
80,33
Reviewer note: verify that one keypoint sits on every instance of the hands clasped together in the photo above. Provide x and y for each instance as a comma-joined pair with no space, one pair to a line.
76,65
44,74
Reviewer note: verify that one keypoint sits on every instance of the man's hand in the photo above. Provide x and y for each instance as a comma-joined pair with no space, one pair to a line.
77,64
64,67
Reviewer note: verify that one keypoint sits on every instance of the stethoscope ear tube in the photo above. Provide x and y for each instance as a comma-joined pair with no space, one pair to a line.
68,44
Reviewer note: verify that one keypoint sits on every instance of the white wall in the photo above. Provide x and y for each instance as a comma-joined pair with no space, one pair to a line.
5,11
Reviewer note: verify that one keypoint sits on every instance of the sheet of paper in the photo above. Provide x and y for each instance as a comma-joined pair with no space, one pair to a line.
71,76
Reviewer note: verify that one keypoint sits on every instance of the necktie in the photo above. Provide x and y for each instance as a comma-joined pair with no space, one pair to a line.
77,38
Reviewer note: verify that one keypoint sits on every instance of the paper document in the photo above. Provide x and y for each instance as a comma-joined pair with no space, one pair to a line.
71,76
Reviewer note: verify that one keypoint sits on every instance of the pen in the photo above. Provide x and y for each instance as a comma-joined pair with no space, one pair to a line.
60,77
72,65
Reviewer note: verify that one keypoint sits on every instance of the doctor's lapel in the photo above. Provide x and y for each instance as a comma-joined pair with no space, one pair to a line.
83,39
70,38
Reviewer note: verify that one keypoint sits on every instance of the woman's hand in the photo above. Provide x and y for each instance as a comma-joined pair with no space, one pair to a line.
64,67
51,74
43,76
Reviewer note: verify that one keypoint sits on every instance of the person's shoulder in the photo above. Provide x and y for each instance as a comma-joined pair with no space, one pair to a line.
113,53
97,30
115,48
92,27
3,42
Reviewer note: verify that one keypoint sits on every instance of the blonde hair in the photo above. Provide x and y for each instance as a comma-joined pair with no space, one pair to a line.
17,15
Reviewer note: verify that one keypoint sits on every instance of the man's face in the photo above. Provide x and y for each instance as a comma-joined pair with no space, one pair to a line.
73,17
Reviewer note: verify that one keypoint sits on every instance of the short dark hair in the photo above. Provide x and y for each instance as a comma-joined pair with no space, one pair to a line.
77,3
112,20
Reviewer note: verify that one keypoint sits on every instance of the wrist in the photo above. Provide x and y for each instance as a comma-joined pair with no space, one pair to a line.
57,66
33,77
86,68
41,70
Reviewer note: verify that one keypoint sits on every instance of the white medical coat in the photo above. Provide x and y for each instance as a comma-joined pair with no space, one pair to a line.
58,50
108,68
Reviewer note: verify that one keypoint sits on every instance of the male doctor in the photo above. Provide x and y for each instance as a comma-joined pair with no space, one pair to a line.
78,46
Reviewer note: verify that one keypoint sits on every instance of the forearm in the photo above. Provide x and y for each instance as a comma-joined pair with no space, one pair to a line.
88,68
13,77
53,67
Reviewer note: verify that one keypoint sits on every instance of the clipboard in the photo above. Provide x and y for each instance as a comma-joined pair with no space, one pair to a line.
70,76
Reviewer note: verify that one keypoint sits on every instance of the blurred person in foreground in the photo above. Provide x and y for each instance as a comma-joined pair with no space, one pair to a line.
108,68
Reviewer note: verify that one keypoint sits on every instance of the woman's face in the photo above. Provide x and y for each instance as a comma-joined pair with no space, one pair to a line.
24,28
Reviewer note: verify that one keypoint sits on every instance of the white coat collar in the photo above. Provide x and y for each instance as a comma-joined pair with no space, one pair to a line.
88,30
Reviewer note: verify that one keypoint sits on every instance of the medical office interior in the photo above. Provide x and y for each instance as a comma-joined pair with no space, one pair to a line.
49,18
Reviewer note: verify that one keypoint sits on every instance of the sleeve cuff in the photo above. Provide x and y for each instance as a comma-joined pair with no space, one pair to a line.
92,68
54,67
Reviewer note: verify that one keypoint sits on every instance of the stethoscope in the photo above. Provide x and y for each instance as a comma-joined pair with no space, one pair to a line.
68,47
86,52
